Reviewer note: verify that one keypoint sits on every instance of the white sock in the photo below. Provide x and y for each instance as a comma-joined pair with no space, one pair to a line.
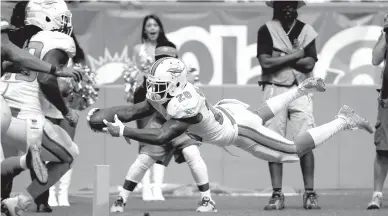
378,193
146,180
281,101
157,175
206,194
324,132
64,182
124,194
23,162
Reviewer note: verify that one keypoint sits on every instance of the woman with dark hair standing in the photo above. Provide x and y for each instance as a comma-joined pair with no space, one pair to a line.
143,57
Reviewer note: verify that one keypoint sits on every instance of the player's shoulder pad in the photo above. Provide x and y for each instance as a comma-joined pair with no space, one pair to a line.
55,40
185,105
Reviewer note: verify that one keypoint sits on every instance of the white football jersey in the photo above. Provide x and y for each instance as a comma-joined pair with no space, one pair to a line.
22,90
215,127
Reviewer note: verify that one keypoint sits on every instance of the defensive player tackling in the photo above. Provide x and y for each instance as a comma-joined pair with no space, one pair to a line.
229,122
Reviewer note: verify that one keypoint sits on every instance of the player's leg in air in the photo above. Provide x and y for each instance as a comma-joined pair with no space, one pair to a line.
268,145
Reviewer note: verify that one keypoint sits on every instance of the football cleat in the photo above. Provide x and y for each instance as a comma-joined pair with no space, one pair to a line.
118,205
376,203
16,206
354,121
312,84
276,202
310,200
206,205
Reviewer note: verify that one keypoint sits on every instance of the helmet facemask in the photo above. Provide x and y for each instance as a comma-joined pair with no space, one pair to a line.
166,80
64,21
157,90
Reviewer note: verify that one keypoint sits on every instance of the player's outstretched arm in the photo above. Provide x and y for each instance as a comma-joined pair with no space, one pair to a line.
158,136
154,136
126,113
135,112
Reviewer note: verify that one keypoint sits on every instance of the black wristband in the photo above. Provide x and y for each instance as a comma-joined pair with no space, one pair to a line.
53,70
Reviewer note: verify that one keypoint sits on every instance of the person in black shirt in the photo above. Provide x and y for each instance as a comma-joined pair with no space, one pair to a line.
287,55
381,140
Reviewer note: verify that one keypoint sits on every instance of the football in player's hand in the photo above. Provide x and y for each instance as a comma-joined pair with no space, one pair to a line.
96,116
